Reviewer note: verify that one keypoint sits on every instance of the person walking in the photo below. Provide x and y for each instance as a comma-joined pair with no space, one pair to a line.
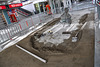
48,9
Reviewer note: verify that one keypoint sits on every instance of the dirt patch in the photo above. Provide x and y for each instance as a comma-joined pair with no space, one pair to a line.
83,19
87,17
67,46
30,43
90,17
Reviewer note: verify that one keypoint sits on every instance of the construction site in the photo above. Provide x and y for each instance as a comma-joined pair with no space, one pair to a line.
67,40
66,45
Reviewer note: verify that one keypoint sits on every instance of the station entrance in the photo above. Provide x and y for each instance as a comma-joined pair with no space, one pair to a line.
8,14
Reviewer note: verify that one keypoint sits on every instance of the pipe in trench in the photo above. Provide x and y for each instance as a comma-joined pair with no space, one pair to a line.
41,59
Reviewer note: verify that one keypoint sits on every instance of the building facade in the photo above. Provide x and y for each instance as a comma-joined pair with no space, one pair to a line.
58,5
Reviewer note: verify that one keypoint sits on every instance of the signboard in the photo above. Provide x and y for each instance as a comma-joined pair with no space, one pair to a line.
15,5
2,7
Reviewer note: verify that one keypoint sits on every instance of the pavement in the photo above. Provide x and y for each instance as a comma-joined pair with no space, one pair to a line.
97,40
97,46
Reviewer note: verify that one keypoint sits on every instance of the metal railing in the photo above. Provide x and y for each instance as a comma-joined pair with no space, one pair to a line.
22,27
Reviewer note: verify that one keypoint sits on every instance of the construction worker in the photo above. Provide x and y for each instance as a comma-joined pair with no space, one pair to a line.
66,17
48,9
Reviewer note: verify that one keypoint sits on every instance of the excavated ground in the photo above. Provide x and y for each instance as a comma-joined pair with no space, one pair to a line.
66,54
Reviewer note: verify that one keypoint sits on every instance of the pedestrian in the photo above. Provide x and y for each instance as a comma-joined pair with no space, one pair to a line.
48,8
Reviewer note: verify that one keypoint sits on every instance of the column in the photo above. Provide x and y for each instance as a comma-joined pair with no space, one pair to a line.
59,4
54,9
43,7
65,3
70,4
39,8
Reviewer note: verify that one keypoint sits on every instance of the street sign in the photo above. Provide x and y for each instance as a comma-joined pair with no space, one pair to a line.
15,5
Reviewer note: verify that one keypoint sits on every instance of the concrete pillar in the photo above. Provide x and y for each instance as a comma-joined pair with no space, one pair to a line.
43,7
39,8
67,3
59,4
54,9
70,4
